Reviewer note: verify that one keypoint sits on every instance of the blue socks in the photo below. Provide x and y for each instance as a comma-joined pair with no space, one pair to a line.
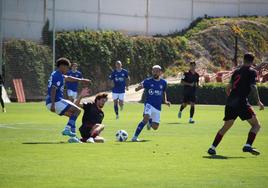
150,121
71,122
139,129
116,109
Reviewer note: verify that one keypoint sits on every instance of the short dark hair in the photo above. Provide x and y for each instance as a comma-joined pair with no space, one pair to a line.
193,63
63,61
101,96
249,58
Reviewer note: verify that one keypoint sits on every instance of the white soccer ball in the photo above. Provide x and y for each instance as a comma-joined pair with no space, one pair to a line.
121,136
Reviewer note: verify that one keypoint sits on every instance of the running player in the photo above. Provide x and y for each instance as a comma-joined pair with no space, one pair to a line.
54,100
190,81
72,87
1,99
120,80
243,81
155,91
92,118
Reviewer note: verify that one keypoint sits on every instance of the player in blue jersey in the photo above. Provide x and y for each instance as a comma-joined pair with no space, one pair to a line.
155,91
54,100
72,87
120,80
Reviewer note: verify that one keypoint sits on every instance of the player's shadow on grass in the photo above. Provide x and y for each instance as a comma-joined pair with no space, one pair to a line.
222,157
129,141
174,123
56,142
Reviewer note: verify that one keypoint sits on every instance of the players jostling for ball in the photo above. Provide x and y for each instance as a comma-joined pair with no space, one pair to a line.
92,118
190,81
243,81
54,100
120,80
155,91
72,87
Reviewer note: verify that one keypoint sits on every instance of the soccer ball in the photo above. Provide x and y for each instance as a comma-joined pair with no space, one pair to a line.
121,136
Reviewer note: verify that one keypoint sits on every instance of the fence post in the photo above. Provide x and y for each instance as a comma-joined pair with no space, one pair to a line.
54,34
1,37
147,17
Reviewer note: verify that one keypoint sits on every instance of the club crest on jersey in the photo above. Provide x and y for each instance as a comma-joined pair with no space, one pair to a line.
152,85
161,87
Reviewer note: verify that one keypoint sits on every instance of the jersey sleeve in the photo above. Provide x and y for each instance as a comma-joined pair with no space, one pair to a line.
80,75
145,84
126,74
184,77
165,86
253,78
87,105
56,80
111,77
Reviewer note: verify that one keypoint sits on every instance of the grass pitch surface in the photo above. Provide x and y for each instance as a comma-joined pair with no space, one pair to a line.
34,154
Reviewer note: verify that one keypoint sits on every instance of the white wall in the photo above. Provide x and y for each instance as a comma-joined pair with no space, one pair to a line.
25,18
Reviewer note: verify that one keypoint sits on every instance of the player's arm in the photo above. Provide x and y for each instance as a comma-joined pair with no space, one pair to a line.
73,79
52,97
84,93
186,83
165,99
140,86
256,96
127,82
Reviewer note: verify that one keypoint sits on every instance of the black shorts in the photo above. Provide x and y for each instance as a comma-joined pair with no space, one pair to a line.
243,111
85,131
189,98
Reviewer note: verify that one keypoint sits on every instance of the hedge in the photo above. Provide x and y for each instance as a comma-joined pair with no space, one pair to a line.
29,61
96,53
213,93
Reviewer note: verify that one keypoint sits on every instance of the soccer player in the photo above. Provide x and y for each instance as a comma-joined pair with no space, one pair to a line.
72,87
190,81
243,81
1,99
92,118
120,80
155,91
54,100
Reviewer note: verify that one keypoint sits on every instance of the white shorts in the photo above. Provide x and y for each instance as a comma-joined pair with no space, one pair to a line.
61,106
72,93
119,96
152,112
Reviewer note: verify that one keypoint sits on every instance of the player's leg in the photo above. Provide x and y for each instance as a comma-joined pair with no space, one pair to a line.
85,132
121,100
2,101
183,105
250,116
72,111
115,99
192,110
146,117
70,95
95,133
227,125
229,118
155,119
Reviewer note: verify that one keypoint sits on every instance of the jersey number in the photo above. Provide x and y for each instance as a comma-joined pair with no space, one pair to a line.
236,81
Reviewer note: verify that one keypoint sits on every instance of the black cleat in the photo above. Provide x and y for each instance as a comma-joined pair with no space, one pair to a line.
211,151
251,150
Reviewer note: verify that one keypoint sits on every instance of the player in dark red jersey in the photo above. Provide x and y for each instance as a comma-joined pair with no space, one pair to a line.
190,81
92,118
243,81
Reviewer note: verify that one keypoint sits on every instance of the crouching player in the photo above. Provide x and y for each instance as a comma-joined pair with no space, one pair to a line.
92,118
54,100
155,90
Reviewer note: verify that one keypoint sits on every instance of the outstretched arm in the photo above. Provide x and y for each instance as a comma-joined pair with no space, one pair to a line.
256,96
73,79
84,93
